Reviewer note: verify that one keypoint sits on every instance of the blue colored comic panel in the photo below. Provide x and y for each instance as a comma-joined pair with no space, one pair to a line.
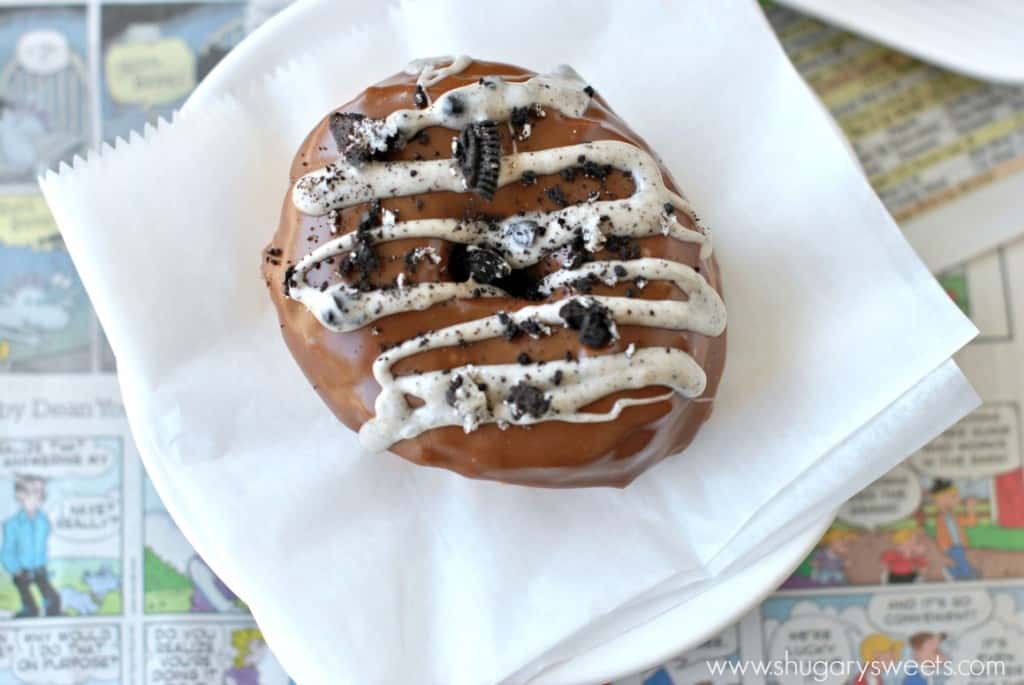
46,321
41,654
976,631
154,54
232,653
45,97
176,580
61,537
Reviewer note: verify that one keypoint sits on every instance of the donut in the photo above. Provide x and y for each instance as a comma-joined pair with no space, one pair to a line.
484,269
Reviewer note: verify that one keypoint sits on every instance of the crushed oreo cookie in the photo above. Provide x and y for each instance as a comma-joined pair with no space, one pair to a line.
353,134
373,216
289,281
453,387
419,97
511,327
589,90
519,117
479,263
595,170
469,398
592,320
526,399
585,284
523,233
528,178
556,195
478,154
362,259
533,328
453,105
574,254
626,248
524,359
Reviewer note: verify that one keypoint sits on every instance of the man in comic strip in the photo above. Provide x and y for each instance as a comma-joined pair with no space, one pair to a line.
951,527
24,551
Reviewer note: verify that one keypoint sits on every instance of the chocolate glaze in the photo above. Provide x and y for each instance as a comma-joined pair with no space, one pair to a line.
550,454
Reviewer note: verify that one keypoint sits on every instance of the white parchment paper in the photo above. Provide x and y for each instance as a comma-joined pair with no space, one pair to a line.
363,568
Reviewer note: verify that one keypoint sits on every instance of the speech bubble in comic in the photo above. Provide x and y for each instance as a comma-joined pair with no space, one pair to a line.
160,71
64,457
47,655
42,52
949,610
984,443
717,647
186,654
990,654
891,498
25,221
818,644
86,518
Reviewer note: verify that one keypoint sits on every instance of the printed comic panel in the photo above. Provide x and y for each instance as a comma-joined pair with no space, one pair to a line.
953,511
208,653
176,580
967,635
693,667
46,654
60,503
46,321
980,289
154,54
44,89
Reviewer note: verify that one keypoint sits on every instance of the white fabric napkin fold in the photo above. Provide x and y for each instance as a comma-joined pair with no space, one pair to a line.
364,568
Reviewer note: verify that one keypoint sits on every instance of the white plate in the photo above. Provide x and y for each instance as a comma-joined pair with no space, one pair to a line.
982,38
642,647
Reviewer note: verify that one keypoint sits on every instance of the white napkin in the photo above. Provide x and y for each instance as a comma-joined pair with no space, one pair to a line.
364,568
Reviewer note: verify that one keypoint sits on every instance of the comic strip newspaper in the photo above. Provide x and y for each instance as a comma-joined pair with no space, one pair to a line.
97,584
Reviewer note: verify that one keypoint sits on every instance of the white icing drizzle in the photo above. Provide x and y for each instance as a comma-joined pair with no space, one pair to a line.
470,396
432,70
342,185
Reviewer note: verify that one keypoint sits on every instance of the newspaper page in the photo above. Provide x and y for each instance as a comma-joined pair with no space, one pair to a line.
927,563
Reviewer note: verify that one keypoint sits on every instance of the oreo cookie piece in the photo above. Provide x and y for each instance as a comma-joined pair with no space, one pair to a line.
478,154
525,399
359,138
592,320
485,266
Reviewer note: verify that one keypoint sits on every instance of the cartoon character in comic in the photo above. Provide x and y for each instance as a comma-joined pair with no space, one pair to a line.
878,652
904,562
253,663
828,564
23,553
950,527
925,650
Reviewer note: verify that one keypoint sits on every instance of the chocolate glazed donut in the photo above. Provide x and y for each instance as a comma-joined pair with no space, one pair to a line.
484,269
